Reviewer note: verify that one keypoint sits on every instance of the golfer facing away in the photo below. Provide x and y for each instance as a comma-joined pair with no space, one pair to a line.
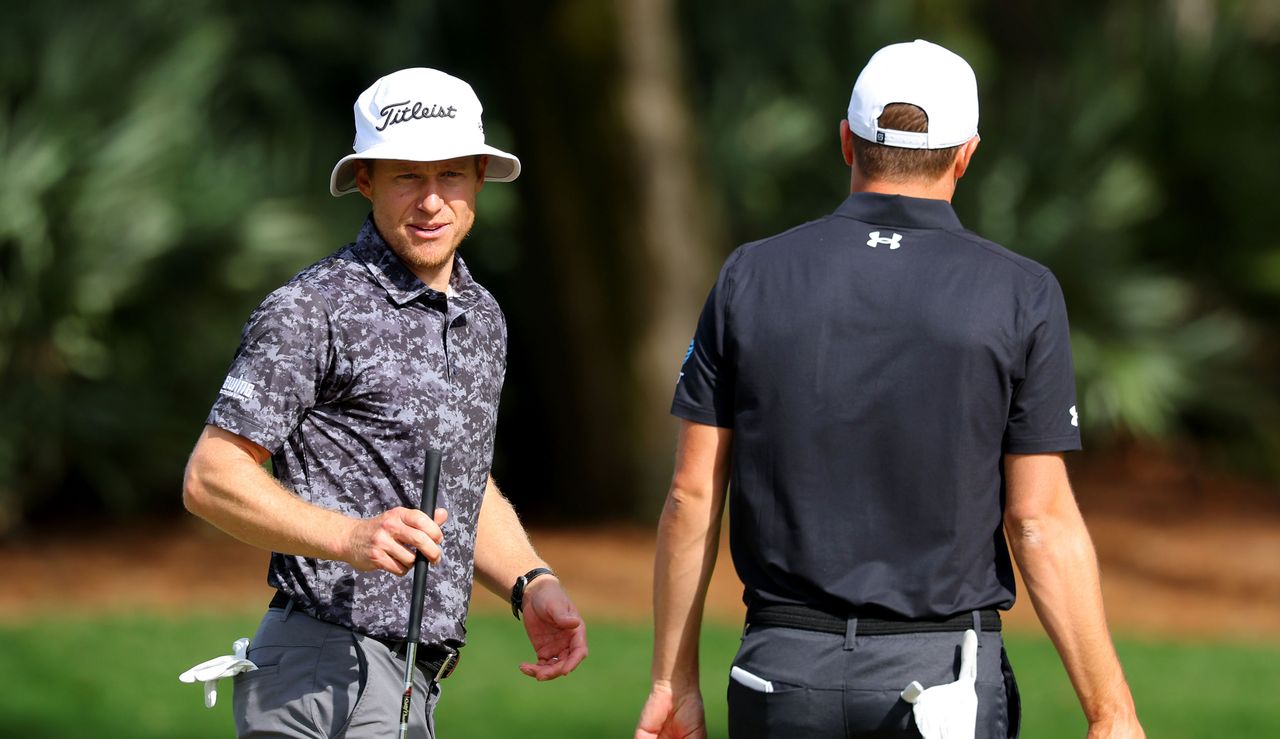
885,396
344,378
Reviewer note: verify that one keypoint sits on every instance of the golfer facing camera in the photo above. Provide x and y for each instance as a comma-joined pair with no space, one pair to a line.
885,396
344,378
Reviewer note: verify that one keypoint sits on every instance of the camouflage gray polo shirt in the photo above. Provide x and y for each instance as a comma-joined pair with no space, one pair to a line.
347,374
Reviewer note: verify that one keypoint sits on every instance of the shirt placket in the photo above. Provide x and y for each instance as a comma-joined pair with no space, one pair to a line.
454,323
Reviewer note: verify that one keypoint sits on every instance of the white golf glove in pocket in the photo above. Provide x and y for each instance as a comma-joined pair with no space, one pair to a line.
949,711
211,671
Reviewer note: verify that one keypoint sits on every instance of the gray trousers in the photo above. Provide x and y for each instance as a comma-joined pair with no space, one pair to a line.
315,679
826,685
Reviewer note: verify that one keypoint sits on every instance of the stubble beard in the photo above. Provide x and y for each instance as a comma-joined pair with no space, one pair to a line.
421,260
428,260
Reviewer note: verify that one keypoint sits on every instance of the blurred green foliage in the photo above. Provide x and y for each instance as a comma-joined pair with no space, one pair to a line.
165,166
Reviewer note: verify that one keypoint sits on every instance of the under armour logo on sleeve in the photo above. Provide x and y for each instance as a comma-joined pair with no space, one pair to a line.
1075,417
874,240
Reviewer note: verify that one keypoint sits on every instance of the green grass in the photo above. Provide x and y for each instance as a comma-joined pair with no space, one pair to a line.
117,677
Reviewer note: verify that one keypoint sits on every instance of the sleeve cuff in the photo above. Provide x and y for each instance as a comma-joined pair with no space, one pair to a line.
697,414
1069,443
242,426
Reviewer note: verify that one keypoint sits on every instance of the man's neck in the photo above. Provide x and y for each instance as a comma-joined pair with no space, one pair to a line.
437,279
941,189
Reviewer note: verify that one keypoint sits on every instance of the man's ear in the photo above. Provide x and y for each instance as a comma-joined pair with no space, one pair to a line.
364,180
846,141
482,164
965,155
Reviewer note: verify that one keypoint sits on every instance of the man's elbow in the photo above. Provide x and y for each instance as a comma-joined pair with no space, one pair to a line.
690,503
1034,531
197,488
1026,529
193,490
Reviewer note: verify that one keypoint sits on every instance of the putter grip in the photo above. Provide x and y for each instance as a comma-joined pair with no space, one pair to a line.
430,485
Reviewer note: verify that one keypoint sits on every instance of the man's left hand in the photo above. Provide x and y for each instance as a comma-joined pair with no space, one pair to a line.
556,631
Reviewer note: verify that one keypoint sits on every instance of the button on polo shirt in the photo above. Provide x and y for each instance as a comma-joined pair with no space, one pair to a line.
347,375
874,366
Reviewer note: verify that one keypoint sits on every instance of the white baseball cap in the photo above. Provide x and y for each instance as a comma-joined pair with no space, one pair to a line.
419,115
923,74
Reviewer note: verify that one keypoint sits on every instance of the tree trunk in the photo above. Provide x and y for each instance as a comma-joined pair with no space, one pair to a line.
621,227
679,226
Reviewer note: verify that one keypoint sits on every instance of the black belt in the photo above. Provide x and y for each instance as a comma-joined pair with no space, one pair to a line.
810,619
434,660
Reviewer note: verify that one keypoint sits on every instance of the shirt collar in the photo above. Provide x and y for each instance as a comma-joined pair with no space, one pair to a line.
900,211
401,284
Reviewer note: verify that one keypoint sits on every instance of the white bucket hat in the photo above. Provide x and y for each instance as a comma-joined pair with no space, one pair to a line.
419,115
936,80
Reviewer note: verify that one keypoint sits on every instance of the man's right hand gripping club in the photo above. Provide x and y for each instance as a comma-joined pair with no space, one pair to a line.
390,540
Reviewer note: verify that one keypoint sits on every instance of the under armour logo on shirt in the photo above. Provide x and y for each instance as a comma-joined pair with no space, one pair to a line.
1075,417
874,240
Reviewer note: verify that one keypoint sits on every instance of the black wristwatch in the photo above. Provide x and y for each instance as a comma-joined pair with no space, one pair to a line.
522,582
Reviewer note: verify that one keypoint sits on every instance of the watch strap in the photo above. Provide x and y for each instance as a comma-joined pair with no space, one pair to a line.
522,582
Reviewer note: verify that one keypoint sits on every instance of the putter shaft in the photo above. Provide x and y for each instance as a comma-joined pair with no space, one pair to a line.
427,504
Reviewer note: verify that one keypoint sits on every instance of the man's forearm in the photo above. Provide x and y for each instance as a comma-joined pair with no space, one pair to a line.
688,541
503,549
226,485
1060,569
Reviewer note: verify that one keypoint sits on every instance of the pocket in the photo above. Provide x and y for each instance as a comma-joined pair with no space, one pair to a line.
785,710
340,677
295,690
262,672
263,701
880,713
1012,695
750,681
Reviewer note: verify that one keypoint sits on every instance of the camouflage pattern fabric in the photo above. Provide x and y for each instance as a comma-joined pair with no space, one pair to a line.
347,374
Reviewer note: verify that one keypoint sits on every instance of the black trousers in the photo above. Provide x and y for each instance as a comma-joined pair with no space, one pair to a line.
827,685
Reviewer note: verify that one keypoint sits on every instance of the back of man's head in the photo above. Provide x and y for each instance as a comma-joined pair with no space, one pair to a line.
912,107
894,163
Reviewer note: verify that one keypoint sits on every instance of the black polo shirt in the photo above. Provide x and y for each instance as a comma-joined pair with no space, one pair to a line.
874,366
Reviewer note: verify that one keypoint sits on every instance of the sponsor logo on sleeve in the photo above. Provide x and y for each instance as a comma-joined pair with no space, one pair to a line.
237,388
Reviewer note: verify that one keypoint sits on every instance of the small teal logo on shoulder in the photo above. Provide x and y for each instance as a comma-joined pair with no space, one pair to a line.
687,353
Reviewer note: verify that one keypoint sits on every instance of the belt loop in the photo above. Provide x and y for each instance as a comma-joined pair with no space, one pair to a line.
287,610
977,624
850,633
